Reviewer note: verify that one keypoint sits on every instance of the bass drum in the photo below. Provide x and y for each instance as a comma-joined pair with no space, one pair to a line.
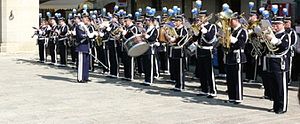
135,46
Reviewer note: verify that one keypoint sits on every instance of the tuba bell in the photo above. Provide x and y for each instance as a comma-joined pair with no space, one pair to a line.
223,23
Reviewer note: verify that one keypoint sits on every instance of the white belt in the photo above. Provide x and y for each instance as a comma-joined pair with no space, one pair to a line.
239,50
41,38
206,47
176,47
65,38
53,37
273,56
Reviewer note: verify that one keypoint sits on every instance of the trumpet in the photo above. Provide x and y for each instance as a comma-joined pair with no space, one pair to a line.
196,27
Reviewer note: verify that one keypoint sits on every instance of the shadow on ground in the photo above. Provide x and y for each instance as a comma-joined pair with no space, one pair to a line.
188,96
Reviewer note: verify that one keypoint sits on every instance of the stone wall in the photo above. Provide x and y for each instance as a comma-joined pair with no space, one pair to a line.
16,27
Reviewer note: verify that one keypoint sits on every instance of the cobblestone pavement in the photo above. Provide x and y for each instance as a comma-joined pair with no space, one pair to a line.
34,93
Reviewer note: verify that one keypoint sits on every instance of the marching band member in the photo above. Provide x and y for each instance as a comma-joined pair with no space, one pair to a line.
128,61
149,57
235,57
205,39
42,40
140,26
101,48
82,42
278,65
72,39
294,38
162,49
62,41
251,64
53,40
112,56
92,40
177,53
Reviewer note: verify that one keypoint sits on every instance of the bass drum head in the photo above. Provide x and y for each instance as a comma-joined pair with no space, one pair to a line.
138,49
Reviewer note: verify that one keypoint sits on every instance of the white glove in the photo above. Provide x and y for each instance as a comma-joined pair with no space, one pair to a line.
196,33
101,34
204,30
250,31
147,36
274,40
233,39
156,43
74,32
108,28
124,32
95,33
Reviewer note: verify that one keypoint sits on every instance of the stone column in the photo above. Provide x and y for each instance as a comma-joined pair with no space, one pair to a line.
17,19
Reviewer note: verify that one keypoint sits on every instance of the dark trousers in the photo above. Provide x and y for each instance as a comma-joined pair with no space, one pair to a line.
163,60
295,67
83,66
171,69
140,64
52,50
234,82
265,76
177,71
149,67
220,54
73,53
206,75
102,56
42,50
62,52
128,63
112,58
278,83
92,59
249,66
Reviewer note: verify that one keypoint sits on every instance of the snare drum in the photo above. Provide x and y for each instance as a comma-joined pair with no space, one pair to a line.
191,49
135,46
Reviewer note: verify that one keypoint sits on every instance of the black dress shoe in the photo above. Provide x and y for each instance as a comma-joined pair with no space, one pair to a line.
176,89
210,96
81,81
271,110
200,94
236,103
88,80
280,112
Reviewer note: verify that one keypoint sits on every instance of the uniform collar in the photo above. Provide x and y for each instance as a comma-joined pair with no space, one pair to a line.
150,28
237,27
181,26
279,32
